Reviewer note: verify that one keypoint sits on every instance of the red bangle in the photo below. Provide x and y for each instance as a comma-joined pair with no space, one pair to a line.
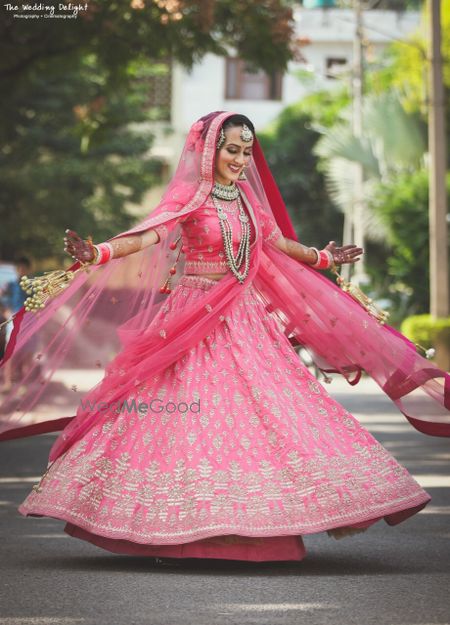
104,251
324,259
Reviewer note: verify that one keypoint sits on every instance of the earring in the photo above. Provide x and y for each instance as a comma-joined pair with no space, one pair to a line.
242,176
221,139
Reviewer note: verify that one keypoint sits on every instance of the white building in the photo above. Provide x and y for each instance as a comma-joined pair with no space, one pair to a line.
218,83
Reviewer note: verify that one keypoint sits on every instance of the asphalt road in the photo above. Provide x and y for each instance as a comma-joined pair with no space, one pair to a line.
386,576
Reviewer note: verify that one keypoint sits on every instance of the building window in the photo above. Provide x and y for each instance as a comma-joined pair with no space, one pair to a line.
242,82
334,65
158,91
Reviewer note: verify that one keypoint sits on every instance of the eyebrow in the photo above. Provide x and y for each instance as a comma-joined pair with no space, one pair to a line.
238,146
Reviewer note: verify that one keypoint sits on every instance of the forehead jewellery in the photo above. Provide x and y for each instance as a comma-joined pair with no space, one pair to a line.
245,134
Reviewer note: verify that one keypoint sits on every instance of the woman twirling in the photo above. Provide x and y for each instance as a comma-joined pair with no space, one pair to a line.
206,436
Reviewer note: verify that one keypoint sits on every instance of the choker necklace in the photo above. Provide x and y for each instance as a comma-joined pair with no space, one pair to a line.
225,191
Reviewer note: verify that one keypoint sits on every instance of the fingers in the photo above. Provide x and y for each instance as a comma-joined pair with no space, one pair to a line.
350,246
352,253
350,249
341,258
71,232
72,237
76,246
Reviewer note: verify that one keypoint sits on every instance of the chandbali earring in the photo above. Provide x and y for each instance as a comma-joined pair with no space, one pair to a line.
242,176
221,139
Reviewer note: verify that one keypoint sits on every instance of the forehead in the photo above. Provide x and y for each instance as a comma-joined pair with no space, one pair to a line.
233,135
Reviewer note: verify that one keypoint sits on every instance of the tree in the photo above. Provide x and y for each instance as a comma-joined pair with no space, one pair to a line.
393,143
402,205
404,67
118,32
74,89
70,164
289,148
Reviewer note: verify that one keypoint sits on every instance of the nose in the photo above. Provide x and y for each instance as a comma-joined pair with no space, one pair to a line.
239,159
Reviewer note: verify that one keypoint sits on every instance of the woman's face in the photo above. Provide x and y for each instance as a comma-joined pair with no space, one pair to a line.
233,156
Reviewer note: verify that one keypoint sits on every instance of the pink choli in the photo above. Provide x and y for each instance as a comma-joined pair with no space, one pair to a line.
202,237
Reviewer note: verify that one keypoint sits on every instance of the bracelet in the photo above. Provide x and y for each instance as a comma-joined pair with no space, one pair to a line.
324,259
103,253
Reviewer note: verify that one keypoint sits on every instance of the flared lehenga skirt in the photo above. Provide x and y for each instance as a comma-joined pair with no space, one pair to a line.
239,453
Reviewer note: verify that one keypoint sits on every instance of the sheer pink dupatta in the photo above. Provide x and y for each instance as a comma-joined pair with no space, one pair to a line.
67,345
341,336
114,310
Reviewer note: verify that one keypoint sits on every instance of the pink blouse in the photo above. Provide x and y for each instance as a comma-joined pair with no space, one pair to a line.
202,237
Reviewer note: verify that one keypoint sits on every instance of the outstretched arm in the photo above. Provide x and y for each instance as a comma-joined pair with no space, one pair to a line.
82,250
340,255
319,259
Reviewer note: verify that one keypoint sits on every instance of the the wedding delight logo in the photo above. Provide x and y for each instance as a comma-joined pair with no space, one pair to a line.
40,10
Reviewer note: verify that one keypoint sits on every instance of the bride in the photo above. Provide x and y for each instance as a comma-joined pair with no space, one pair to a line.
207,437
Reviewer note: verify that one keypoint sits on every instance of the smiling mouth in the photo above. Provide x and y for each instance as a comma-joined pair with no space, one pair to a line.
234,169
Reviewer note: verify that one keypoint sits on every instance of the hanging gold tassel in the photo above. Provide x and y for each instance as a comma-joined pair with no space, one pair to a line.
360,297
43,288
373,310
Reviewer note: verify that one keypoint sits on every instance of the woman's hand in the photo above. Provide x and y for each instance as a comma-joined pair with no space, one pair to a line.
78,248
345,254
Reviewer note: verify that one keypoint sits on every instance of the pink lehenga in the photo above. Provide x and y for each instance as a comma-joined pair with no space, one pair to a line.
213,439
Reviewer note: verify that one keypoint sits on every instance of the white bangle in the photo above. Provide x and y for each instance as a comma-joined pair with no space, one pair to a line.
317,262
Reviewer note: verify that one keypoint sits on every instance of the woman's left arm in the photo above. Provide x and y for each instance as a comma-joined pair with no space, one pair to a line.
319,259
311,256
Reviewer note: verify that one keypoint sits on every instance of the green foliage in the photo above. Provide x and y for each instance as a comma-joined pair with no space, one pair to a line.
118,32
73,90
289,148
426,330
69,157
404,67
392,144
402,205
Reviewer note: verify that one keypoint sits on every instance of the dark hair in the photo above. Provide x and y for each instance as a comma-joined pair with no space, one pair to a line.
238,120
23,260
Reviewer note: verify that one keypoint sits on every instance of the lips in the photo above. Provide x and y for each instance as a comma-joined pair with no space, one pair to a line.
235,170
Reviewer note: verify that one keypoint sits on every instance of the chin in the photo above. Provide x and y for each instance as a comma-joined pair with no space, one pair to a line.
232,178
229,178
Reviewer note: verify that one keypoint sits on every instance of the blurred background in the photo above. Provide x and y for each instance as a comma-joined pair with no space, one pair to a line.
348,99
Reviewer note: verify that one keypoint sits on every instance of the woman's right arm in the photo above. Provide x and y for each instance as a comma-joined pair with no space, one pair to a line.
81,250
133,243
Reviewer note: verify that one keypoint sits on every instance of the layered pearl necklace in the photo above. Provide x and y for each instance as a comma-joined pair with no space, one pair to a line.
229,193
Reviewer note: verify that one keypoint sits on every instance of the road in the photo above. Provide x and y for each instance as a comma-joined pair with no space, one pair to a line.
386,576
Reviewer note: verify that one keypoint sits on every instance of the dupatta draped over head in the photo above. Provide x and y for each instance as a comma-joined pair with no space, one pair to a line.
110,315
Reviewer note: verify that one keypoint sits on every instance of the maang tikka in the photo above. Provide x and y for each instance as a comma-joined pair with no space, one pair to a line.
246,135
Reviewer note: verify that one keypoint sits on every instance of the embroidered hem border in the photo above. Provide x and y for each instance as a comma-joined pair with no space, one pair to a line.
414,505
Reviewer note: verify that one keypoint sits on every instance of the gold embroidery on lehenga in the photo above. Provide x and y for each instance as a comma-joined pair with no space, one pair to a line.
283,457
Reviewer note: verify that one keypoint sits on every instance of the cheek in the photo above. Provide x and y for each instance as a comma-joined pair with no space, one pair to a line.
222,161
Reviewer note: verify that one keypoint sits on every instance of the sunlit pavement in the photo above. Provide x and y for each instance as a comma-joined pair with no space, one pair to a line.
388,575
